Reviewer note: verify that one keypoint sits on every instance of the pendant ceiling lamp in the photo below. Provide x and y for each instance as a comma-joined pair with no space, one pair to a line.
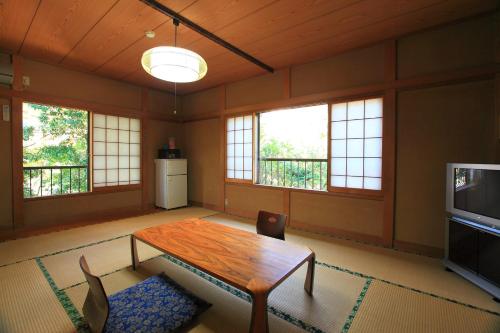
174,64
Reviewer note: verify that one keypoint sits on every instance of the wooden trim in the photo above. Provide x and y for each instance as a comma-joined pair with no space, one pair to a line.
286,204
330,231
117,188
287,83
389,165
329,148
238,181
99,218
202,116
222,162
206,205
144,151
436,79
17,162
421,249
300,190
161,117
358,191
107,109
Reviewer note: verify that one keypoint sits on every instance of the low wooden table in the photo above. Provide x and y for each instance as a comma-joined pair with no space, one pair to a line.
253,263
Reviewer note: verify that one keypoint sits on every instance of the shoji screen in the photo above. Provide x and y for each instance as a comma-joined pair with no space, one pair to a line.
356,144
116,151
239,149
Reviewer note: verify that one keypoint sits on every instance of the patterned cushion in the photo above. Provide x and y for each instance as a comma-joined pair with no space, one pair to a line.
157,304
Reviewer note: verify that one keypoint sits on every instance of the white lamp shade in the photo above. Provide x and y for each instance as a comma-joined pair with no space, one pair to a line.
174,64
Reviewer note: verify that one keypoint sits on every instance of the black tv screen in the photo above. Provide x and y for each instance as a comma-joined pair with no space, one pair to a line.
477,191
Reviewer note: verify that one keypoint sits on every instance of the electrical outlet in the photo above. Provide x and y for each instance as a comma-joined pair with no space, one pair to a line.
26,81
226,202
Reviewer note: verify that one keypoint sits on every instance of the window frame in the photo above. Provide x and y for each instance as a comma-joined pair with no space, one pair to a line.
90,137
330,190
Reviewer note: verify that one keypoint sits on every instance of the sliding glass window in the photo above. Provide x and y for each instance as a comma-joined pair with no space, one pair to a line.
356,144
116,151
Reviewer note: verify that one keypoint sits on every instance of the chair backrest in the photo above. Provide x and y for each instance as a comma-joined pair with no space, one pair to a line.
96,306
271,224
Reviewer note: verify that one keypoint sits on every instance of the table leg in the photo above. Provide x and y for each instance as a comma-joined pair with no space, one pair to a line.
309,283
259,314
135,256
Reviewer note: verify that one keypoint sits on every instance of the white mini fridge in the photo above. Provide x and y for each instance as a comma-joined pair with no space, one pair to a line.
171,183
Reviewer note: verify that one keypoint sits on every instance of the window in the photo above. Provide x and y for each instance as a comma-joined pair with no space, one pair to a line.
55,150
333,147
356,144
292,147
239,148
116,151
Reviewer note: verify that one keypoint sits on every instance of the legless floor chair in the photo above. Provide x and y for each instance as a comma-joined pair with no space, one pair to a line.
271,224
157,304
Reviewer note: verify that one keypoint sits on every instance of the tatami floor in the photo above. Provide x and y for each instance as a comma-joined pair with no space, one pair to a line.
358,287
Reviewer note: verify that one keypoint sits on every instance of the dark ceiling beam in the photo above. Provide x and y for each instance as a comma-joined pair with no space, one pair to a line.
202,31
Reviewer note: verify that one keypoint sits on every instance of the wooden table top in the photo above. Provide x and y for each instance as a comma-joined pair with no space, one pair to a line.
246,260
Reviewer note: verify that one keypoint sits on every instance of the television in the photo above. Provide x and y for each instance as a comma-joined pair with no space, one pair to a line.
473,192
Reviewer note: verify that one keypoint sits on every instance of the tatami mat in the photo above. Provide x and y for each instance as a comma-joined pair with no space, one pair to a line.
36,246
228,313
104,258
27,302
407,269
387,308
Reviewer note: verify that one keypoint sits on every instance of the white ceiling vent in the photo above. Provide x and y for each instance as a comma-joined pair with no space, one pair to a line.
6,73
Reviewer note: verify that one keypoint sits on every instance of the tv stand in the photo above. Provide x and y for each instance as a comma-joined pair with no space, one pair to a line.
473,251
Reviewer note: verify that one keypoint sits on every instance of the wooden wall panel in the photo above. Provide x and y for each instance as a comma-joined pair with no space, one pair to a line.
466,44
259,89
62,210
350,69
437,126
246,201
201,103
203,152
359,216
60,82
159,132
5,170
163,104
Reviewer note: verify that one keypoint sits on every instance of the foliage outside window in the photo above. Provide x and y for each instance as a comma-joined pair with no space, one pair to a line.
293,147
55,150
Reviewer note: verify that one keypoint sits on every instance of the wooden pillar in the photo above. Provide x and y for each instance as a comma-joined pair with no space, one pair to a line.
144,148
17,144
389,143
222,149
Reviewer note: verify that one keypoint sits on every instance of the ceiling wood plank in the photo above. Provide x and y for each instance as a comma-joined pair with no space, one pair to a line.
212,15
123,25
15,19
59,25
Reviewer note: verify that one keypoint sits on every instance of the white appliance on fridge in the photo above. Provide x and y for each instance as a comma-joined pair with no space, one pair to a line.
171,183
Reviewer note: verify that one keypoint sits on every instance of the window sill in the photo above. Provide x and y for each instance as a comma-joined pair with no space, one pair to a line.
100,190
347,193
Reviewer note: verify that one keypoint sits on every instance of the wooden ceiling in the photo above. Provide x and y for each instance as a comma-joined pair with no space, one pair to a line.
106,37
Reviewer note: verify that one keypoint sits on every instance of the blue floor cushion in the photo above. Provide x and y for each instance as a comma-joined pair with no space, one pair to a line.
157,304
